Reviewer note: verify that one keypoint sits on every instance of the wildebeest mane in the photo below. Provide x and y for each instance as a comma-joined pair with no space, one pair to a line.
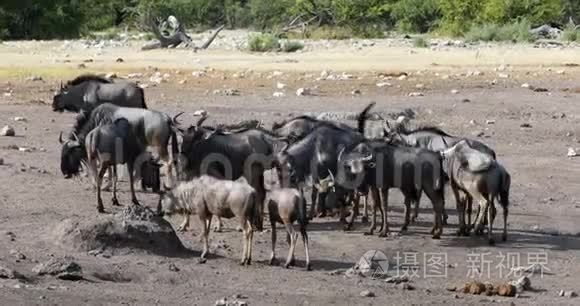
87,120
277,125
403,129
87,78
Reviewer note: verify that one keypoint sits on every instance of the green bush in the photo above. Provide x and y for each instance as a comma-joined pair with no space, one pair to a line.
292,46
570,33
515,32
536,11
458,15
263,43
418,16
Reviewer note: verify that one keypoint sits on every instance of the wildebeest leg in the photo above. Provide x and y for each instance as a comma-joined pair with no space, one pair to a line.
250,244
273,255
206,222
407,213
468,201
109,179
460,204
376,203
416,211
505,216
482,211
351,198
99,180
321,204
490,219
437,198
218,227
114,178
131,178
185,224
293,236
355,207
365,217
246,232
384,205
305,241
314,197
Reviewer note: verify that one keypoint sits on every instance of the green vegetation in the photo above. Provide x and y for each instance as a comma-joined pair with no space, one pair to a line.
420,42
292,46
336,19
263,43
571,33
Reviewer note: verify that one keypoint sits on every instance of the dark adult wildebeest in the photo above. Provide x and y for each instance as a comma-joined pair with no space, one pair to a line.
286,205
316,154
385,166
299,127
484,185
108,145
434,139
150,128
207,196
88,91
229,155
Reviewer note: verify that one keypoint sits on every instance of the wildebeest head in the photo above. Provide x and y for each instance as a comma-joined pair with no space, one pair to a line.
192,136
357,159
58,103
69,98
72,153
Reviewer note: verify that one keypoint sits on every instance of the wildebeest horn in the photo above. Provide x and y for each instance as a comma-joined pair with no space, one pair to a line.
331,175
208,136
200,121
340,153
76,138
61,86
177,116
445,142
60,138
368,157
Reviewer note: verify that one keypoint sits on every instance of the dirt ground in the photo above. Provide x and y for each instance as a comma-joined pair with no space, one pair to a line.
545,193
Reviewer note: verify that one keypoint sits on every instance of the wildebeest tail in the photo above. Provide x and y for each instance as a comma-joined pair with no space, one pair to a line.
142,92
504,193
302,208
363,116
256,212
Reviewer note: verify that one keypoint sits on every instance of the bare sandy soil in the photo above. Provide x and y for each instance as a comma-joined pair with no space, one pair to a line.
545,197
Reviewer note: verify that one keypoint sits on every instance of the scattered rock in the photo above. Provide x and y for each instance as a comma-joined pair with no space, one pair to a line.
367,293
172,267
231,92
278,94
111,75
540,89
16,254
416,94
200,113
503,75
501,68
451,288
384,84
407,286
465,101
570,294
62,268
119,60
234,302
324,75
280,85
572,152
1,161
420,86
506,290
478,133
82,66
525,125
521,284
490,121
356,92
493,82
454,91
472,122
474,287
397,279
182,82
528,86
7,131
136,75
303,92
9,274
402,77
34,78
402,119
20,119
25,149
561,72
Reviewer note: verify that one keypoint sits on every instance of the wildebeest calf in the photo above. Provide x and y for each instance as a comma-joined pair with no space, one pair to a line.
285,206
207,196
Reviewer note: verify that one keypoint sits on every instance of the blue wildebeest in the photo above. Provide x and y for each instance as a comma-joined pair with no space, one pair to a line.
286,205
481,179
207,196
88,91
385,166
108,145
316,155
228,155
150,128
434,139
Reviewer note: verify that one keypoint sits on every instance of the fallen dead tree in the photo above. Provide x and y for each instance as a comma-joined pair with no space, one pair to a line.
170,33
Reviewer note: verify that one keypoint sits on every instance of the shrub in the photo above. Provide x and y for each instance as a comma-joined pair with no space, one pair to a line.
292,46
571,33
458,15
417,16
263,43
514,32
420,42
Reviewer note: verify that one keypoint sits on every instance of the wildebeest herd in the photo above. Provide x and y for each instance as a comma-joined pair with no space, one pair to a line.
220,171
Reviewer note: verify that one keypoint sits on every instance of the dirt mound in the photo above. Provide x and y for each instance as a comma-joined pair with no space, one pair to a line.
135,228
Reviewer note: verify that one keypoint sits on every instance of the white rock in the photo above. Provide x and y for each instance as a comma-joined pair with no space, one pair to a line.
8,94
143,86
416,94
136,75
454,91
572,152
183,81
303,92
420,86
384,84
200,113
7,131
34,78
526,85
356,92
493,82
20,119
198,74
25,149
403,77
501,68
367,293
503,75
277,73
472,122
111,75
402,119
560,72
477,73
278,94
280,85
445,77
